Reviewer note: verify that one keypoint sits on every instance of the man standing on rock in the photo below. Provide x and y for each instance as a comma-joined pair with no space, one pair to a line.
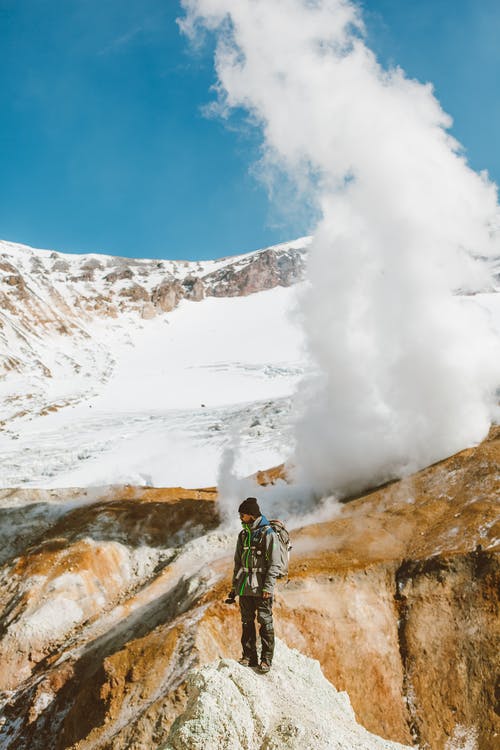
256,566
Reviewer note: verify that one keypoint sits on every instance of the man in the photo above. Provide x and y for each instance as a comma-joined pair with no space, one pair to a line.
256,567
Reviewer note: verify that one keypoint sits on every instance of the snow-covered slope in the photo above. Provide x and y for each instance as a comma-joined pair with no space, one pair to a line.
46,295
182,385
117,370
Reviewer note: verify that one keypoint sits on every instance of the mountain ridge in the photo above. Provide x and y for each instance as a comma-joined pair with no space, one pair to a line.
60,314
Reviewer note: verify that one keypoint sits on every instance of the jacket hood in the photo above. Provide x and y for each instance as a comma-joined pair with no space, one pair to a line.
258,523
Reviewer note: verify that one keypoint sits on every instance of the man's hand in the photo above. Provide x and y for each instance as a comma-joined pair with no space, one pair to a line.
231,597
266,595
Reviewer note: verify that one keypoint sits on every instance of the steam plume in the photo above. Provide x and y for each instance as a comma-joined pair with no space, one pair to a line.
406,370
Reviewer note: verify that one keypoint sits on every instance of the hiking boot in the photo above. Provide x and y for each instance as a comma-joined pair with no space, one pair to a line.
245,661
264,667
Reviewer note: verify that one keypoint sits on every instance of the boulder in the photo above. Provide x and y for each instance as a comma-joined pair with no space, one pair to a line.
167,295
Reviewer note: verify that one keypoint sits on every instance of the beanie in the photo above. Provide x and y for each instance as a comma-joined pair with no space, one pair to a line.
250,506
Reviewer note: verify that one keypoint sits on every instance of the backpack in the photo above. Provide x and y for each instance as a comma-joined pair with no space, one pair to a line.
285,546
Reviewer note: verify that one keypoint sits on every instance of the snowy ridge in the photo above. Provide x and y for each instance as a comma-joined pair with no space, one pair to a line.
50,302
71,274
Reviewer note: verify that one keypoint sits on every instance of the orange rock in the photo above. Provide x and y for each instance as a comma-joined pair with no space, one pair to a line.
397,596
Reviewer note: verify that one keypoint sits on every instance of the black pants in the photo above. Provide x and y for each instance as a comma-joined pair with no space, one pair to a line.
263,608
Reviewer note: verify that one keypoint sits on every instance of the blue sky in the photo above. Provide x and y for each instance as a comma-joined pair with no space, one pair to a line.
104,147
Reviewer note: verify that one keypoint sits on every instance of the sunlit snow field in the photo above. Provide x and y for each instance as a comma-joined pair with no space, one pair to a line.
183,387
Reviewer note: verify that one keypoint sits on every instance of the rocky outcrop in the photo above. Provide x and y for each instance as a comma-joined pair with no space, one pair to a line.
264,270
427,660
450,660
135,293
166,296
239,277
396,596
415,592
148,311
248,711
120,275
193,289
86,559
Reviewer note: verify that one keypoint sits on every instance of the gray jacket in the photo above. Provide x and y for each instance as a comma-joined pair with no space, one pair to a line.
256,560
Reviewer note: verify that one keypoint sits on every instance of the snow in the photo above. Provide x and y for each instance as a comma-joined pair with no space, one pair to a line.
180,386
215,352
24,257
149,402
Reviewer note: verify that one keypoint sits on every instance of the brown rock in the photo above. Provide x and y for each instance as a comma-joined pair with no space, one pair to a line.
264,270
450,643
167,295
148,311
8,268
14,280
61,266
135,293
92,264
397,596
126,273
194,289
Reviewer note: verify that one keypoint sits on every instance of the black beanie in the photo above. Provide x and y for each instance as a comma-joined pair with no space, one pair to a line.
250,506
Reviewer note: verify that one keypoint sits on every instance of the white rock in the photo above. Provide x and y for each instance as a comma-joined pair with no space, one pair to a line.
294,707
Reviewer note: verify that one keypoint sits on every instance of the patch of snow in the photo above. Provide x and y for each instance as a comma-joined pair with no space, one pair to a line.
65,581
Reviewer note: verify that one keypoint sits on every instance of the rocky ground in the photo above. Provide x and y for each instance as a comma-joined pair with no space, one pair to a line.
110,596
232,708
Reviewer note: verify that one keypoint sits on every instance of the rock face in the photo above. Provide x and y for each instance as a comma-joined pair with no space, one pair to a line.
263,270
415,596
465,637
167,295
110,596
231,707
